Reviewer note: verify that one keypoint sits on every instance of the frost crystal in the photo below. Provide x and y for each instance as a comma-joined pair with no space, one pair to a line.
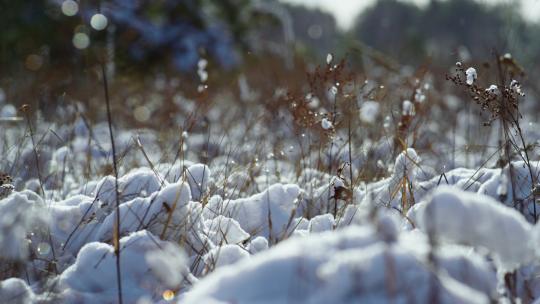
471,75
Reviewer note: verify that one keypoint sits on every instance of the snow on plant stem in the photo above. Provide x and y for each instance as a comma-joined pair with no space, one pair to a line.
471,75
326,124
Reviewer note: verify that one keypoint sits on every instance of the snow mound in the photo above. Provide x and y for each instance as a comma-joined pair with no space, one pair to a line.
136,183
198,176
351,265
225,255
21,214
477,220
92,278
267,213
388,191
258,244
225,230
167,213
322,223
72,221
406,165
14,290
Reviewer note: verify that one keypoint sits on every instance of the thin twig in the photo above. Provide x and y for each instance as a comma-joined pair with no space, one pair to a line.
116,240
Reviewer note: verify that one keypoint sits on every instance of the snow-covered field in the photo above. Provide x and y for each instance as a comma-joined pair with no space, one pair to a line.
328,199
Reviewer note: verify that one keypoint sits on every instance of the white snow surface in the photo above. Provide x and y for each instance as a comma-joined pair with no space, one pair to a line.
92,278
20,215
502,230
225,230
348,266
181,233
15,290
267,213
198,176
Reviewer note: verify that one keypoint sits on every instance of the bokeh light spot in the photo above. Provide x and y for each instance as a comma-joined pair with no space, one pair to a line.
33,62
98,22
141,113
43,249
168,295
81,41
70,8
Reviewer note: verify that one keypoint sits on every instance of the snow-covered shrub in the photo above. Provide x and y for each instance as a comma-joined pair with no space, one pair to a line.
21,215
267,213
92,277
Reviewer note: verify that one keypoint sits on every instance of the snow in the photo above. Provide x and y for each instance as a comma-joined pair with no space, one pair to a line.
377,264
406,165
198,176
258,244
66,216
151,212
493,89
349,265
387,191
369,110
92,277
20,215
222,249
267,213
471,75
503,230
225,255
6,190
14,290
8,110
321,223
326,124
225,230
168,264
269,219
516,87
408,108
333,91
329,58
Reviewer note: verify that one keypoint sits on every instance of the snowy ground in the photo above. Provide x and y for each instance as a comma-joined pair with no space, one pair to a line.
256,217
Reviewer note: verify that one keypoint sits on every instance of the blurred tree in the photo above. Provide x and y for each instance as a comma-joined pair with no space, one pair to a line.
316,32
393,27
145,32
446,31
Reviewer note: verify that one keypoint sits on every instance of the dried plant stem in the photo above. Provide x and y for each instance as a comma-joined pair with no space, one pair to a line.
34,148
26,111
116,240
